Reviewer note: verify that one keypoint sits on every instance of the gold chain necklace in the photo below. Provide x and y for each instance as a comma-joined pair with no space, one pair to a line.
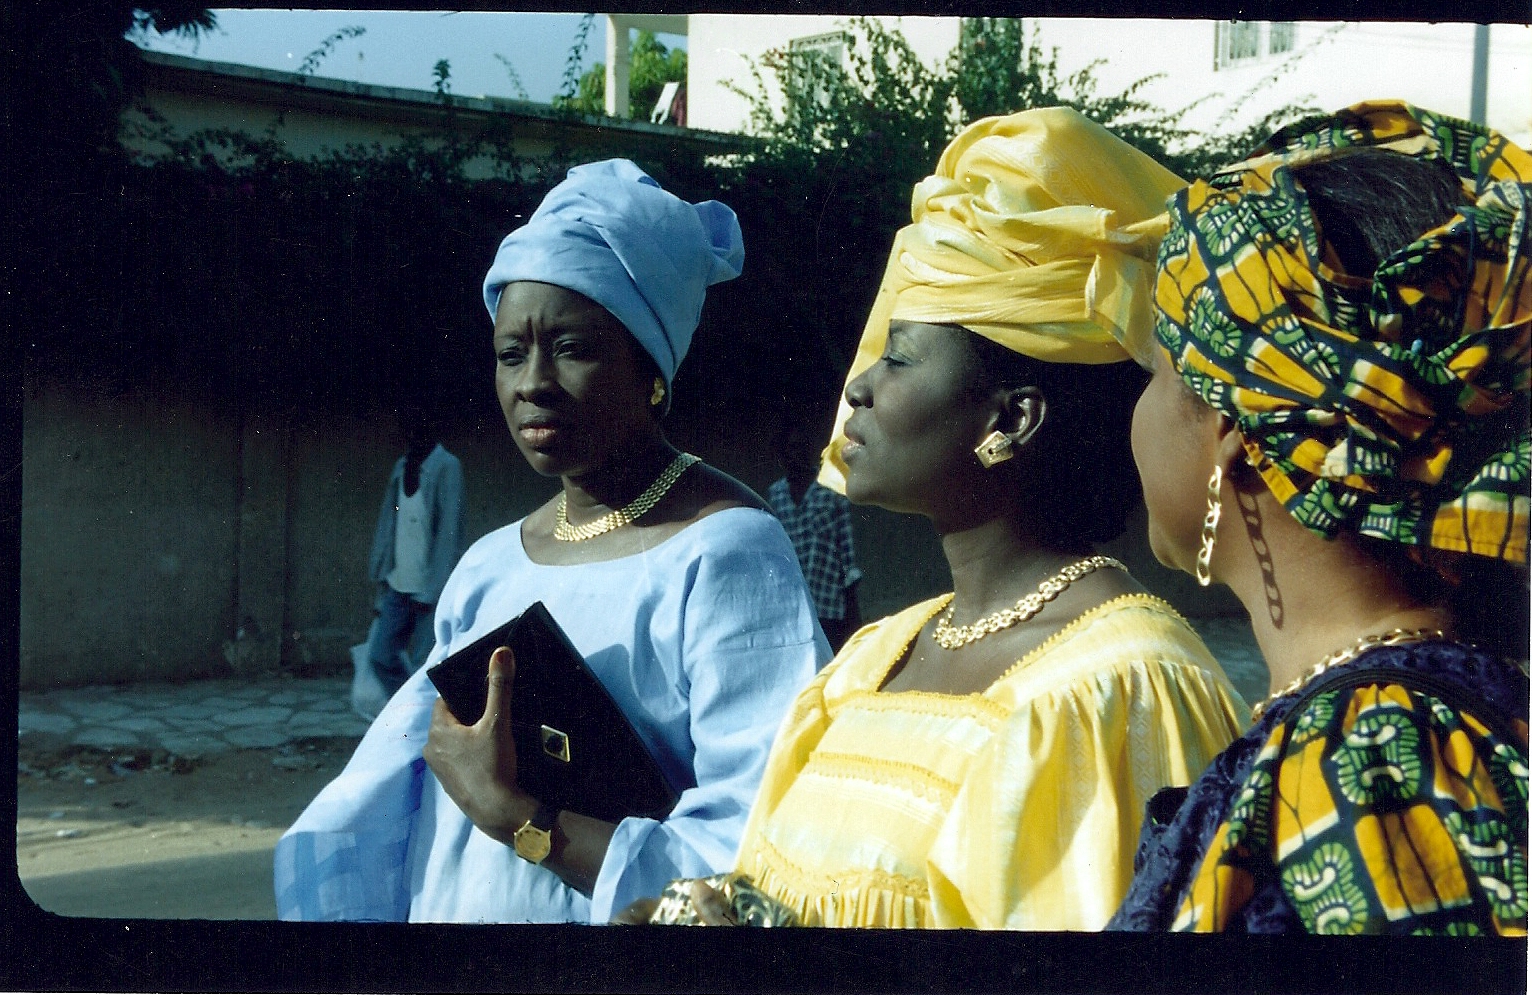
950,637
1394,637
565,532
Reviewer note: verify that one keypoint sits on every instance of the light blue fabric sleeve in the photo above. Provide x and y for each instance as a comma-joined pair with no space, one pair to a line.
346,857
750,641
345,868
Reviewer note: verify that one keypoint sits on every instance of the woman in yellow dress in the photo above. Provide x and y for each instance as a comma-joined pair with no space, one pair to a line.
982,759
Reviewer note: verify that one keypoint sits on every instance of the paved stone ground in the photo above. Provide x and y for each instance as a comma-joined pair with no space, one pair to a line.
191,719
203,717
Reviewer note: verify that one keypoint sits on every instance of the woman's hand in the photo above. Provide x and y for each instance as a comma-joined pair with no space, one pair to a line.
476,764
636,914
710,905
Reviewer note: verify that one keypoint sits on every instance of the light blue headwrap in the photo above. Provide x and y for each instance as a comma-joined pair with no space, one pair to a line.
611,233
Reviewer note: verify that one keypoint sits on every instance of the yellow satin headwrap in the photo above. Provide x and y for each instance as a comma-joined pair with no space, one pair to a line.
1037,230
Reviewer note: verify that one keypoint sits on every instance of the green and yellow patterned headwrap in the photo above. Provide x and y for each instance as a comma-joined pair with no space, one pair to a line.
1395,406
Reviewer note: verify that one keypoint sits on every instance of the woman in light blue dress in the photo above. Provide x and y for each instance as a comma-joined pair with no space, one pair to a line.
678,587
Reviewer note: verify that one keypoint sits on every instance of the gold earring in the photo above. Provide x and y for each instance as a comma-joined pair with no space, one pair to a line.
658,394
996,448
1210,528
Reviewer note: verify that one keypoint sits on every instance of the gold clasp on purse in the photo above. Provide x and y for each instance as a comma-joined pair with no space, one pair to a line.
555,744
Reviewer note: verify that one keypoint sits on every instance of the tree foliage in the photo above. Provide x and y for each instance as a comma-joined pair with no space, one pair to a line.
69,72
843,143
651,66
802,105
312,61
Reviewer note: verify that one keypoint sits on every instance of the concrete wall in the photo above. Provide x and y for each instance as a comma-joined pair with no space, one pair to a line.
339,467
128,536
166,538
170,536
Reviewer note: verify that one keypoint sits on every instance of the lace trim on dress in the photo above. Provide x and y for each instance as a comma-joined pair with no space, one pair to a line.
1084,619
873,696
915,779
860,897
990,714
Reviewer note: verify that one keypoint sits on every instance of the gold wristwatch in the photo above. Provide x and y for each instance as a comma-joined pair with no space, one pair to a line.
534,840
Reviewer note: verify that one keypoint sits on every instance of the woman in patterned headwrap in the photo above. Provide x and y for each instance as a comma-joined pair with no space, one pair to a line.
982,759
676,584
1343,327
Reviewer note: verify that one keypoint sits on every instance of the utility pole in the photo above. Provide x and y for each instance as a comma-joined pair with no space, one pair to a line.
1479,92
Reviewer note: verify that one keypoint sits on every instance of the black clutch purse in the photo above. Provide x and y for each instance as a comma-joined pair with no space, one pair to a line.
575,749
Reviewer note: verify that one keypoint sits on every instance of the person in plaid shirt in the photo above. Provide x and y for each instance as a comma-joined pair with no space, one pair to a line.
818,521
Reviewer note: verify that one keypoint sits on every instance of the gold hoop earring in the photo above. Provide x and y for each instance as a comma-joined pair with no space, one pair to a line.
1210,528
658,394
996,448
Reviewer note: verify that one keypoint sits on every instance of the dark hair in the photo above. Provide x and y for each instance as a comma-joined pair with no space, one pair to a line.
1370,203
1091,484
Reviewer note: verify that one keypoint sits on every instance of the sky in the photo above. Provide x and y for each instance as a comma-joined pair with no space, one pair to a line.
400,48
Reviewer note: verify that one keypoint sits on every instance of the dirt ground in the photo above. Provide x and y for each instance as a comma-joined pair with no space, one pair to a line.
146,834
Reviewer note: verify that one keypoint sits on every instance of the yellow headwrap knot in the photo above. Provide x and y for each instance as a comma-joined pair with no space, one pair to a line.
1038,230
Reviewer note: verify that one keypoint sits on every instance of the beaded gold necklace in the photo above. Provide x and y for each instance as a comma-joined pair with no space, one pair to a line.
951,637
565,532
1394,637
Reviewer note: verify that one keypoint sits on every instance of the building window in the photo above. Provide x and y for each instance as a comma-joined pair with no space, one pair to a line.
817,62
1281,36
831,46
1236,42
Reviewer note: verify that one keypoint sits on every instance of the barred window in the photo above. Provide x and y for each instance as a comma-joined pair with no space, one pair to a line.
1235,42
1281,37
817,60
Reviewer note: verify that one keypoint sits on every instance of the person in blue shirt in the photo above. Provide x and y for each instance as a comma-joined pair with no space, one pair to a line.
672,580
418,540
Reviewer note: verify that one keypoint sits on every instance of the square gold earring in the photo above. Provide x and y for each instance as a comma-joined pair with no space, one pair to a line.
996,448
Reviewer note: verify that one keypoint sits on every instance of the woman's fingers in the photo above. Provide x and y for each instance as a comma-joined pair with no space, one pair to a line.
502,674
441,738
710,905
638,913
476,765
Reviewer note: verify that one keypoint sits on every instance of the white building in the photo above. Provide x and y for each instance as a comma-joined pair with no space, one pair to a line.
1223,74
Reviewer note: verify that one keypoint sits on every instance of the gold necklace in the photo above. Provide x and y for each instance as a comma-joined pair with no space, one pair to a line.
565,532
951,637
1394,637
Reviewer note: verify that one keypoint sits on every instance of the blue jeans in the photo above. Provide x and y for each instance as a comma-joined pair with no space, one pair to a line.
398,617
